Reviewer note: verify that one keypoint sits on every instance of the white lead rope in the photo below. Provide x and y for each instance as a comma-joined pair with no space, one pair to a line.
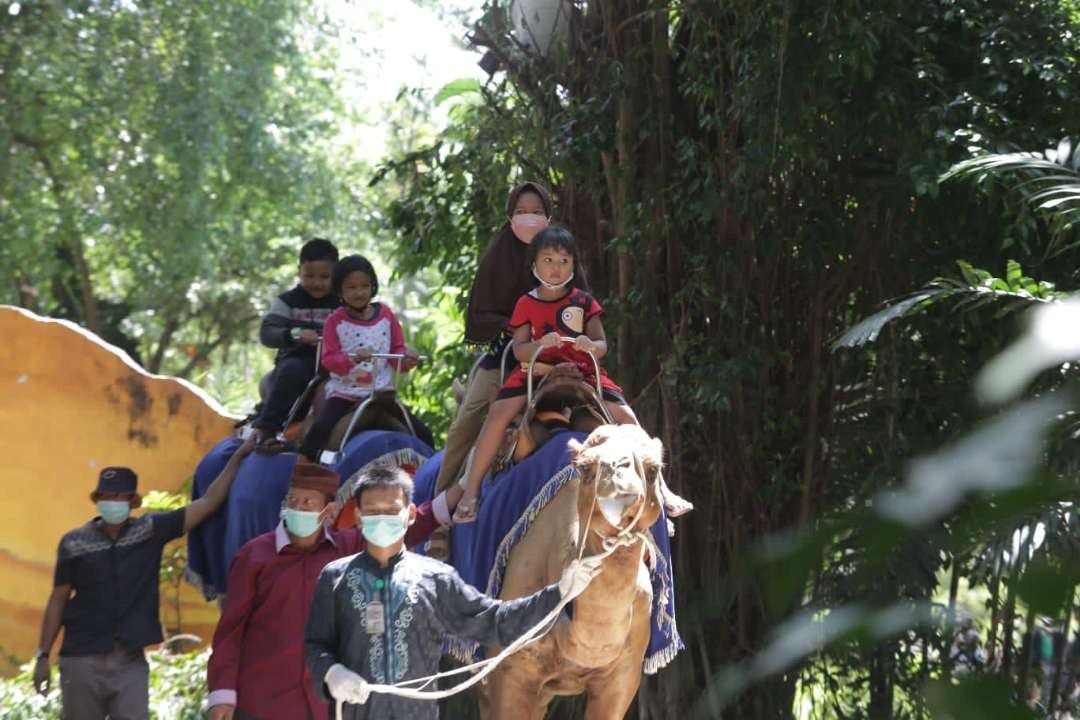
624,538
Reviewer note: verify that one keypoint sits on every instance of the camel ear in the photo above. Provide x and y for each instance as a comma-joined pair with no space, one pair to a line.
574,448
656,451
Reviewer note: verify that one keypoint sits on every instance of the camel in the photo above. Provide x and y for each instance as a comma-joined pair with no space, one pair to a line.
600,650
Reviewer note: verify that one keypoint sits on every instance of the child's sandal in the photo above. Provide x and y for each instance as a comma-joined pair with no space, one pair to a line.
274,445
466,511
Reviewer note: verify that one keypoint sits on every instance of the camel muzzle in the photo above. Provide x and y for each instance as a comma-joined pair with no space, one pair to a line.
617,509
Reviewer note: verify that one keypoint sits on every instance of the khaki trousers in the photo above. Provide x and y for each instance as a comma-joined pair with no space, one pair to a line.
112,685
465,428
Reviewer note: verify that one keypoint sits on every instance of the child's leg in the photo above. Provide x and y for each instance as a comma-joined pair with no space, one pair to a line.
332,410
487,446
466,425
291,376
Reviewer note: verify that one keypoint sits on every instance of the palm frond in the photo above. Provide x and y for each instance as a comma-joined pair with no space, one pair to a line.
976,289
1049,181
867,330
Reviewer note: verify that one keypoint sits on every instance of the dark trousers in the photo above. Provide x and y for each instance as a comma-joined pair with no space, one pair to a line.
292,374
112,685
332,411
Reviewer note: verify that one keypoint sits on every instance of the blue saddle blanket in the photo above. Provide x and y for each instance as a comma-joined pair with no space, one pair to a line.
255,499
480,550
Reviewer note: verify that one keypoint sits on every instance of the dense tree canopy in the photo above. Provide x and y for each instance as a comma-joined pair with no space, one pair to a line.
750,180
156,159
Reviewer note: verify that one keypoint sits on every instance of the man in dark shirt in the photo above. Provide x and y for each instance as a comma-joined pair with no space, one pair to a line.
112,565
293,326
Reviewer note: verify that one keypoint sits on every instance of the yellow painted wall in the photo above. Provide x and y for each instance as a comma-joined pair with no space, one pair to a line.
71,404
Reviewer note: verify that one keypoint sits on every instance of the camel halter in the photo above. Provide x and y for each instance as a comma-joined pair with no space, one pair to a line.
414,689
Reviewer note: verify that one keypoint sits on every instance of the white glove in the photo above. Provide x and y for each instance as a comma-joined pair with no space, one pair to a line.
577,575
345,685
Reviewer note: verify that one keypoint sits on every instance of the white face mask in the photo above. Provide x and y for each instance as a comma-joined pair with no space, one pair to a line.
526,225
301,523
551,286
384,530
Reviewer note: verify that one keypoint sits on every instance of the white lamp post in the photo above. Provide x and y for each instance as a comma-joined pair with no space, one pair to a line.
541,24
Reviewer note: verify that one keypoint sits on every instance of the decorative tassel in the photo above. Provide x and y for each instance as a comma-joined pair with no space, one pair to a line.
401,457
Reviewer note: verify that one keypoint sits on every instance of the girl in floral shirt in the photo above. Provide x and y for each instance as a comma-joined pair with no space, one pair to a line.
352,334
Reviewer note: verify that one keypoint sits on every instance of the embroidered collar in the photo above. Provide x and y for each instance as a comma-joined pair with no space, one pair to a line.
372,565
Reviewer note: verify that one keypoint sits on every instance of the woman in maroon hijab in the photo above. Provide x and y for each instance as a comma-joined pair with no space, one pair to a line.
503,277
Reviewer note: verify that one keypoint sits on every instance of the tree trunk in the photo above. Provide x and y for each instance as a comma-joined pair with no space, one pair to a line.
1027,655
70,237
950,619
881,682
172,324
995,609
1061,656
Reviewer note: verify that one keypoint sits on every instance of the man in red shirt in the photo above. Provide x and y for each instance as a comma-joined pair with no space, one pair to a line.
257,669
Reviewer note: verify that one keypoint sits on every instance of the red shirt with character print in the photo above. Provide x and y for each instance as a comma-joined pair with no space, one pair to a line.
566,316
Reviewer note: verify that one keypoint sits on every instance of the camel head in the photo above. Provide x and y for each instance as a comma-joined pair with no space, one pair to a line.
620,466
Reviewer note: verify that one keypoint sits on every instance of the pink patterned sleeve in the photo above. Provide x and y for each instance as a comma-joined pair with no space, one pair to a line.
397,337
333,359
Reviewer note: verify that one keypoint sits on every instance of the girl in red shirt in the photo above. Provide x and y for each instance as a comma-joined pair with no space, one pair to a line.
541,316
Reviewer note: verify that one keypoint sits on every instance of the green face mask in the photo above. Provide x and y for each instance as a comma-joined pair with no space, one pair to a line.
301,523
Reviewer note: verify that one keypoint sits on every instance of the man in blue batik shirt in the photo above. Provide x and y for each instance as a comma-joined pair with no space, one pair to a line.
380,616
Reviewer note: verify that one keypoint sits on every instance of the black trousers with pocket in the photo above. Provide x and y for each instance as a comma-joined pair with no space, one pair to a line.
292,374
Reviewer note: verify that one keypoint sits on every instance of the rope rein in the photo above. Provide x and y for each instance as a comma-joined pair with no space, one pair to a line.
624,538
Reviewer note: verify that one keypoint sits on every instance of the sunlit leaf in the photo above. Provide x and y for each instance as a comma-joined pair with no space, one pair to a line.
868,329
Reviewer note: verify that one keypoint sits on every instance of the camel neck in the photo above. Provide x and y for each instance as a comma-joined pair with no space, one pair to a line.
616,586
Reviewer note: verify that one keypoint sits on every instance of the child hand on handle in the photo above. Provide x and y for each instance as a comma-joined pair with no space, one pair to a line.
411,360
585,344
550,340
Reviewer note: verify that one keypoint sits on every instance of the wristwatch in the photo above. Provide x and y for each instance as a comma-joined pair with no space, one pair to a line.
41,654
294,333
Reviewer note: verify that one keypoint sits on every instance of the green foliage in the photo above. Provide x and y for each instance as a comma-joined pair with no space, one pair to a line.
747,181
976,288
1050,180
21,702
160,163
174,555
177,690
